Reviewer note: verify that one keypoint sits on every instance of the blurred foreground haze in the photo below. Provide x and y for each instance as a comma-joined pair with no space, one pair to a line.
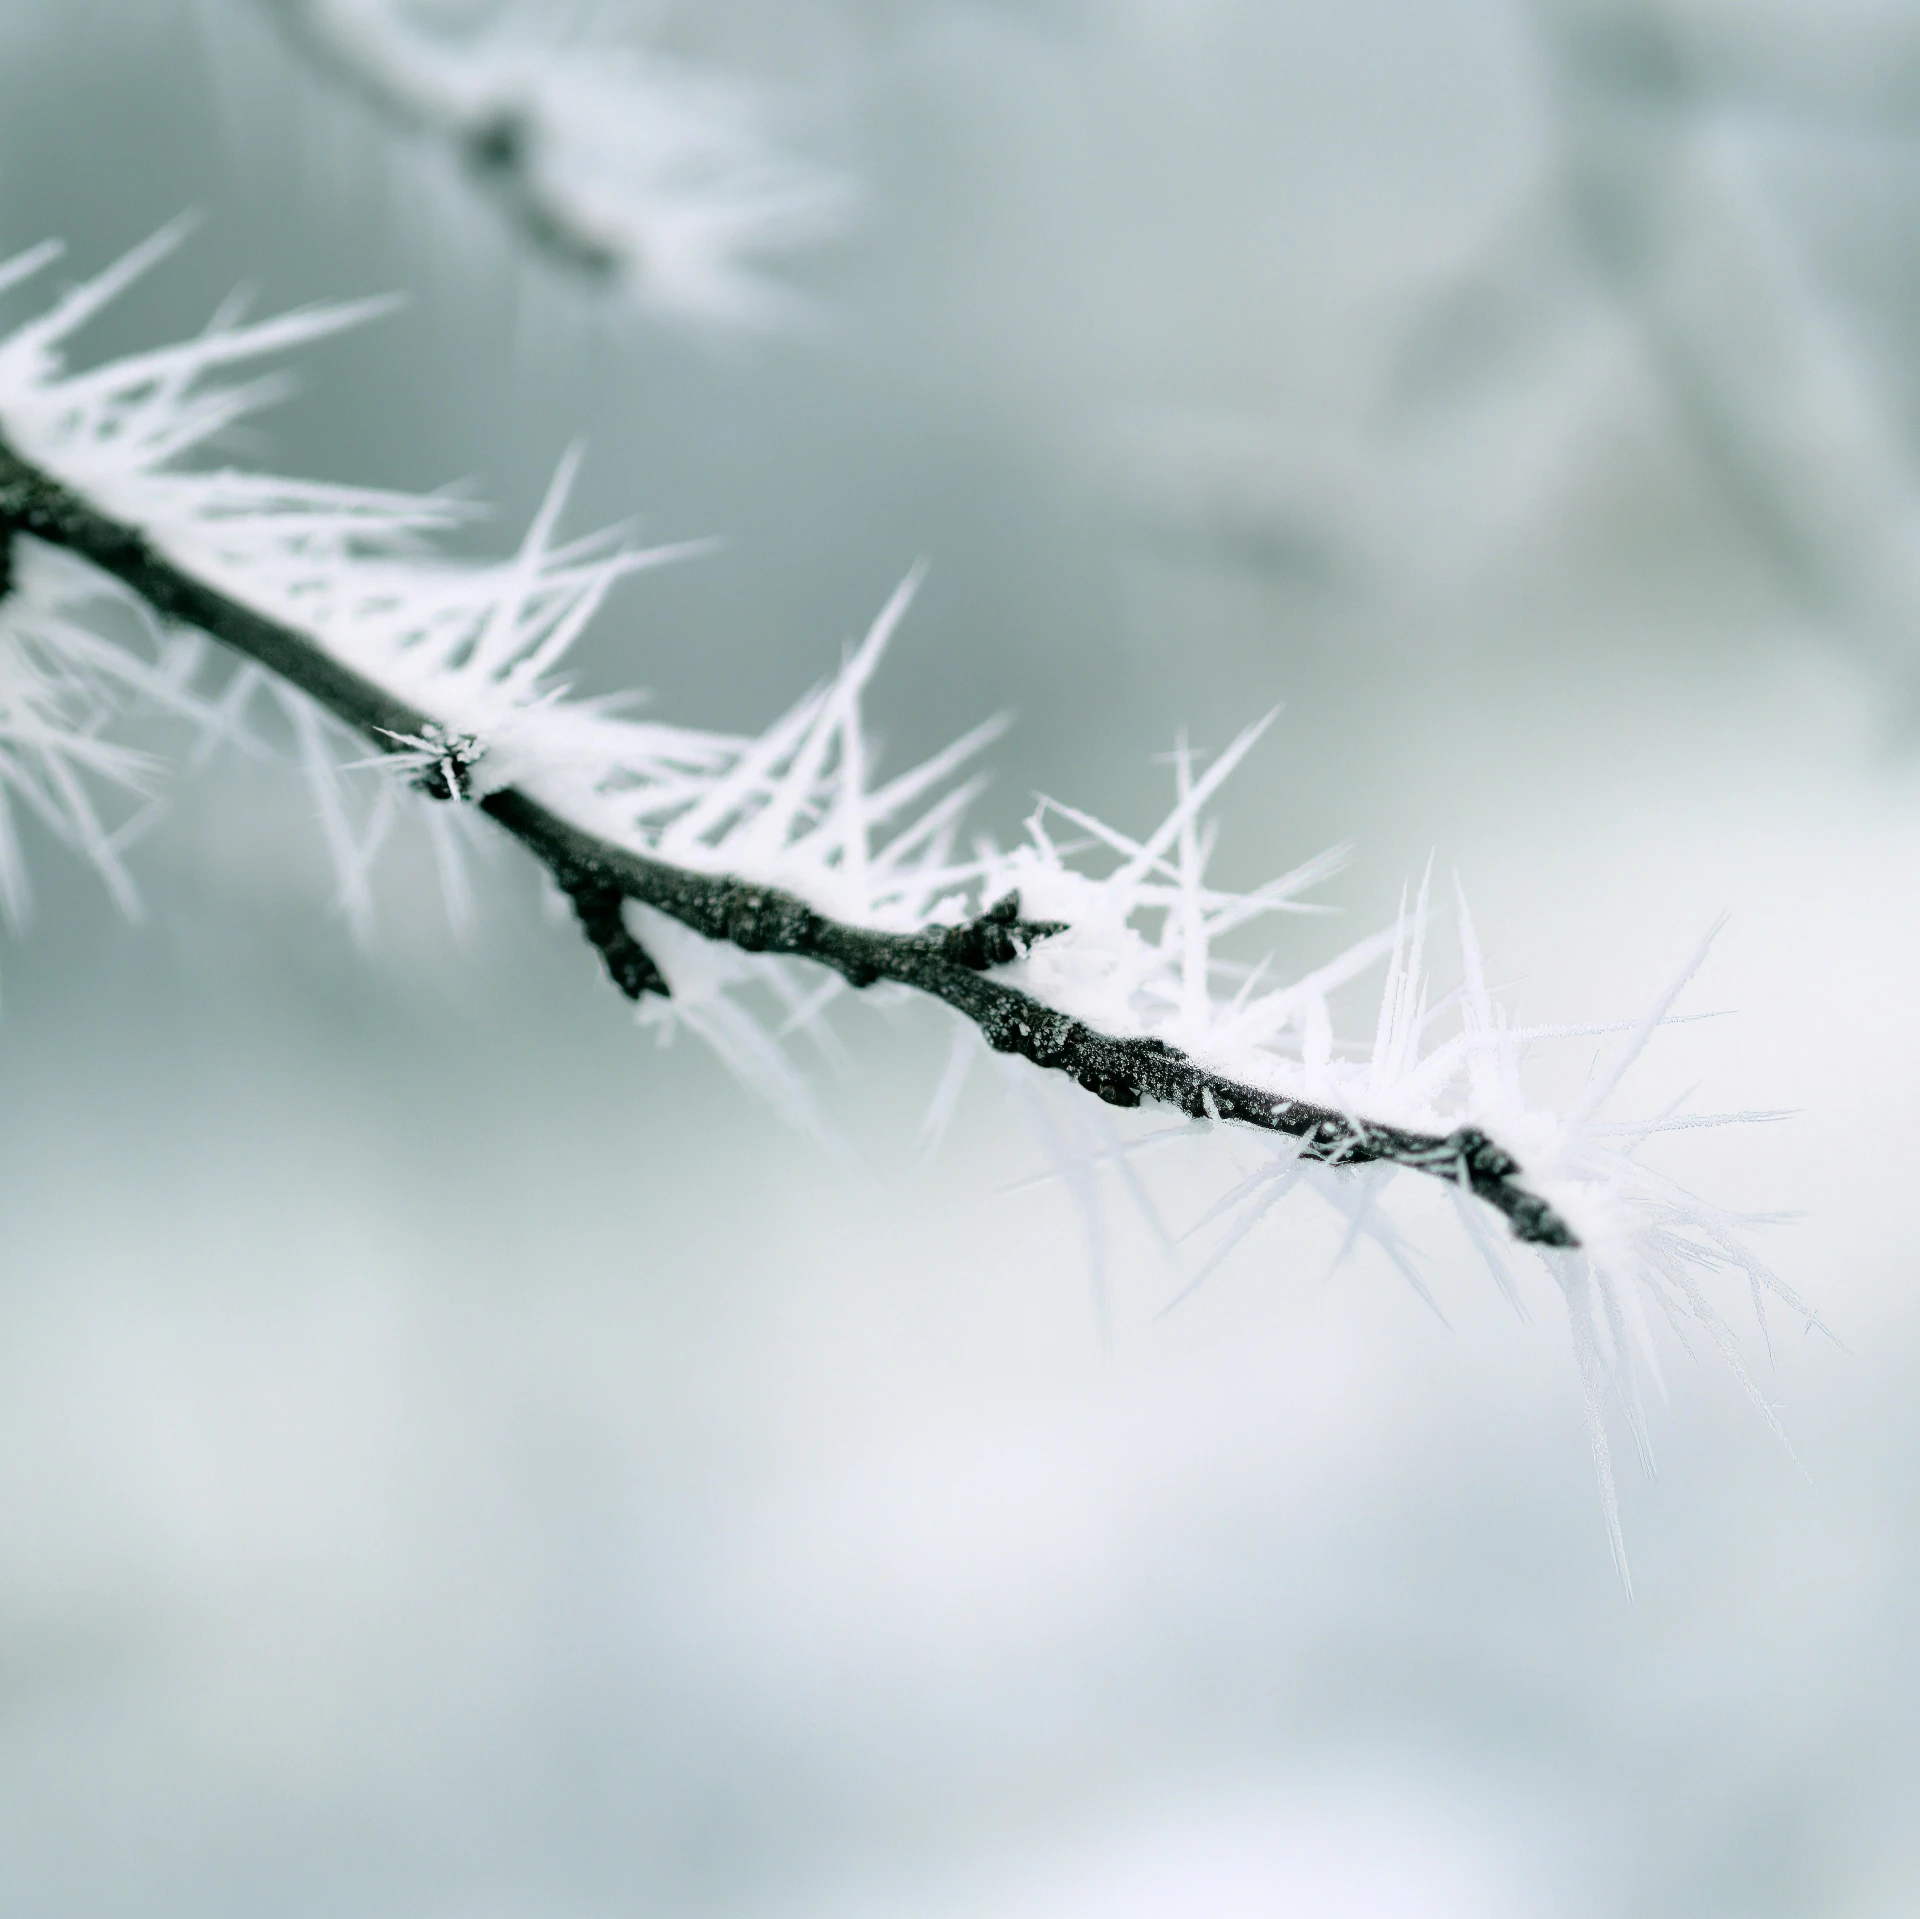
458,1460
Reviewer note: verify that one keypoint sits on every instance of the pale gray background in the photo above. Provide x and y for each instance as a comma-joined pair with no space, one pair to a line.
456,1459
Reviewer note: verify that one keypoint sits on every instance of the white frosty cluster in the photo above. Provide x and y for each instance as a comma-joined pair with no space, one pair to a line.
654,170
1149,945
60,685
61,682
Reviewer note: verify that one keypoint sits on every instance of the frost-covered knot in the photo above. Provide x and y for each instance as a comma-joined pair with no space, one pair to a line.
759,919
1033,1031
445,760
1108,1082
1335,1138
997,938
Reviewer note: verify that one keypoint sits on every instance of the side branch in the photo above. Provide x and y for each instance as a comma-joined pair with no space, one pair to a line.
497,146
949,963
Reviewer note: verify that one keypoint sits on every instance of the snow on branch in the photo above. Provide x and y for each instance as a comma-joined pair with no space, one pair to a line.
613,161
701,865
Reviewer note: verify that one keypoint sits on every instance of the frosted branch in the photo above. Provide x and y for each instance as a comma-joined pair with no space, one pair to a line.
701,867
950,964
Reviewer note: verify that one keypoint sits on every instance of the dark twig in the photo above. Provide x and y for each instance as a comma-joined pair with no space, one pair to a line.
952,964
600,906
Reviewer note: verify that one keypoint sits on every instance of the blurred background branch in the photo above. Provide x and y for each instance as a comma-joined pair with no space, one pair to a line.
1669,123
611,161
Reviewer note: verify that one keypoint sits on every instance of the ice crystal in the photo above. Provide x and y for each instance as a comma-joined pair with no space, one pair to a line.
61,684
1151,945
